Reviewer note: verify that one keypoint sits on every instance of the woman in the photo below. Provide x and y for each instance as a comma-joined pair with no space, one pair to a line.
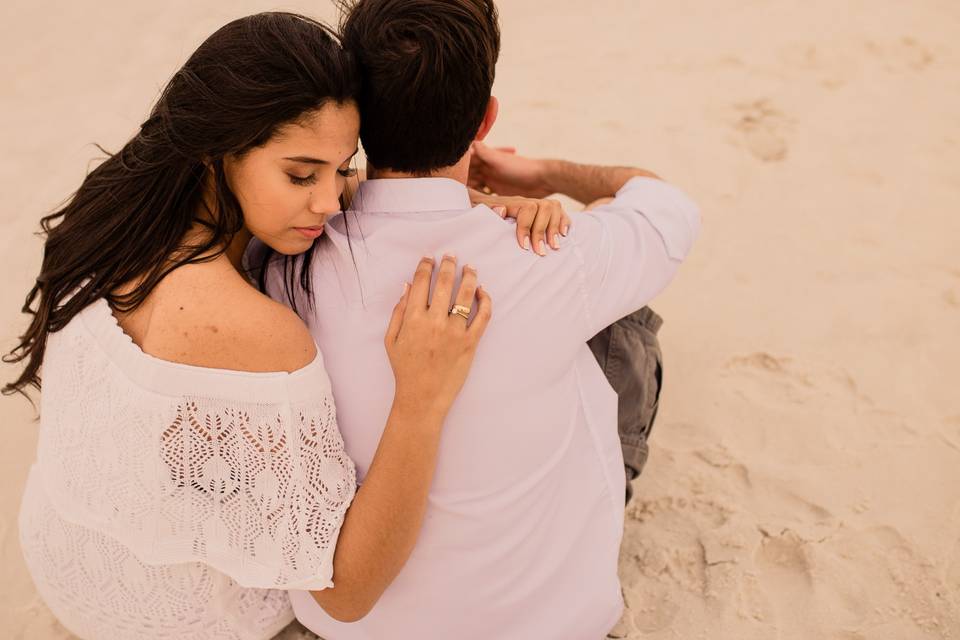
189,466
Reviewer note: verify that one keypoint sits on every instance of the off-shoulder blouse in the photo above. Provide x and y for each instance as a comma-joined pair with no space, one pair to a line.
170,500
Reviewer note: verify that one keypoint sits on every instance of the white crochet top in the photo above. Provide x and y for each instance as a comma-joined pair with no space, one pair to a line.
174,501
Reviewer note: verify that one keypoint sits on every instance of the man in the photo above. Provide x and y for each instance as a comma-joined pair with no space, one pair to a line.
525,515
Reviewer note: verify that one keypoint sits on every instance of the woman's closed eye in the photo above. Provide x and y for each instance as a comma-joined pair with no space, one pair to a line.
310,179
347,172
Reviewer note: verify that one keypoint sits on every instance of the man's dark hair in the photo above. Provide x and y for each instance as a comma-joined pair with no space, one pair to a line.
427,68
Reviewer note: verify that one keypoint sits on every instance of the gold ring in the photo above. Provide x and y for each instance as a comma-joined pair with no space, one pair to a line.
460,310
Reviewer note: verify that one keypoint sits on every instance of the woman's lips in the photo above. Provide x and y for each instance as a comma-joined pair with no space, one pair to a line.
311,232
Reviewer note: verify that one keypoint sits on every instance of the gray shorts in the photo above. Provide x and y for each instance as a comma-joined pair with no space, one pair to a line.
629,354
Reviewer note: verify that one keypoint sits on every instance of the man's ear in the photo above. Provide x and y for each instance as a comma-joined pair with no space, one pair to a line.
493,108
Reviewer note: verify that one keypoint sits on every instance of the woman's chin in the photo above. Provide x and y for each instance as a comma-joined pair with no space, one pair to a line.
292,247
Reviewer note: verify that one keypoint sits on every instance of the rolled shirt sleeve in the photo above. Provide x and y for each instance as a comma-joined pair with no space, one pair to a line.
631,248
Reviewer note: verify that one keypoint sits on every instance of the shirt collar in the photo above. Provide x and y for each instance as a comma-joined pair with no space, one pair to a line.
402,195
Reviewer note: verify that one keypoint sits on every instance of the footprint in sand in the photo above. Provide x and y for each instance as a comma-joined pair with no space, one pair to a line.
784,587
762,128
701,511
760,373
833,66
720,459
648,610
845,578
789,511
762,361
951,298
783,554
890,568
903,55
684,436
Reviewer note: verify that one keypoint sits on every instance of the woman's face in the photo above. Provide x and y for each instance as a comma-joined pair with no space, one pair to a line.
290,186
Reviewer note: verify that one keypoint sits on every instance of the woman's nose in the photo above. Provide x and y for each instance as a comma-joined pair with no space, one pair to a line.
324,201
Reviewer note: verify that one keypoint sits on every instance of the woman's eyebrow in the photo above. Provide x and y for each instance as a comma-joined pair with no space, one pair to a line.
309,160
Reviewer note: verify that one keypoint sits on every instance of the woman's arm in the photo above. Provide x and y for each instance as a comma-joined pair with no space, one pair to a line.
381,525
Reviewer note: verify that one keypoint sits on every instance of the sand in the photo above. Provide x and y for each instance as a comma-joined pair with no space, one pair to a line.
804,477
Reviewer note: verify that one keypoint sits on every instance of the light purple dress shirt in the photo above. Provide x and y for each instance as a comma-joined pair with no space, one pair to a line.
525,513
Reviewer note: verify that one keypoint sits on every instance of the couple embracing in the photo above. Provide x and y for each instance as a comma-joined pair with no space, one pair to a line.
389,405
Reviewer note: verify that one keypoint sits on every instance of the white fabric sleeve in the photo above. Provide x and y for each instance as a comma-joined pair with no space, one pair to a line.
631,248
262,490
244,472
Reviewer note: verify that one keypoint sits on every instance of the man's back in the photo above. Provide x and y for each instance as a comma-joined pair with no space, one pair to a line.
525,514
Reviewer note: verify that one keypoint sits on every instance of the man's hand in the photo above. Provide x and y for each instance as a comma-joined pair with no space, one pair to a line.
500,170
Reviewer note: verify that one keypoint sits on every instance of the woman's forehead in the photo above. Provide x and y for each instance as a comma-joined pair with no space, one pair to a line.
330,127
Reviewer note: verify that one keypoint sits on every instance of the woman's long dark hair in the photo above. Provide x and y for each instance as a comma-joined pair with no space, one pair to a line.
129,220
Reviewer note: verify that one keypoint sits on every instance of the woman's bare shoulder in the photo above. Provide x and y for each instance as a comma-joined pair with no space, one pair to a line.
208,316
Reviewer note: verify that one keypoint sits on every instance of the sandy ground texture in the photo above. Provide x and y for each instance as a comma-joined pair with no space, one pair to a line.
804,480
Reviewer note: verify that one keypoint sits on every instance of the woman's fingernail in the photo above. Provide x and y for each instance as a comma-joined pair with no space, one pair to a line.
564,229
406,286
525,243
501,211
540,248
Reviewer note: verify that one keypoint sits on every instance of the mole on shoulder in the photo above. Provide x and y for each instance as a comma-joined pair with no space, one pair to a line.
181,308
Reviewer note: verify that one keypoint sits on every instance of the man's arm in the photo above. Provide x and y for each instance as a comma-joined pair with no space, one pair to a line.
587,183
506,173
630,246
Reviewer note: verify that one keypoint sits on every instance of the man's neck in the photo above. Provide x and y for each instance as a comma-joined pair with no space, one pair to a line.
458,172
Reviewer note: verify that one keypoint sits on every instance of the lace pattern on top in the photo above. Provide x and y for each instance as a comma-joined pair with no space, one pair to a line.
100,590
256,488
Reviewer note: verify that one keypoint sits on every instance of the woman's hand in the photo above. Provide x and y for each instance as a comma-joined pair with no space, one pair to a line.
539,221
514,187
430,349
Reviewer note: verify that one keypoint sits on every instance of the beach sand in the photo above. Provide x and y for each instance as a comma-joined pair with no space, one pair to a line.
804,476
